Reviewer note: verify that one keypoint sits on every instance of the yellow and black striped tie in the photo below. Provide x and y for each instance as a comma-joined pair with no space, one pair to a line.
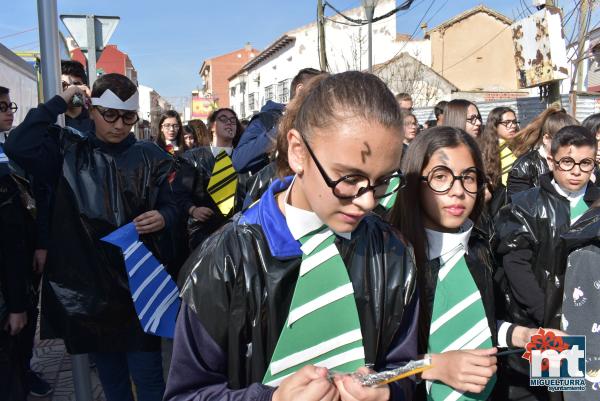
223,183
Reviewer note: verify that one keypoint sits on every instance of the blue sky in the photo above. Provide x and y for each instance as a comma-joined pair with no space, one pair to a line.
168,40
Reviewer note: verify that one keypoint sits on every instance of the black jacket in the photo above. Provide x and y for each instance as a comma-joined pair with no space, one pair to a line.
532,273
257,184
526,172
17,234
99,187
203,162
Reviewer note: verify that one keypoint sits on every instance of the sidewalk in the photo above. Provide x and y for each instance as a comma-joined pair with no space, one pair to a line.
51,360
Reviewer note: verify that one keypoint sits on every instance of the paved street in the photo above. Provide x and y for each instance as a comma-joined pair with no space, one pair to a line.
52,361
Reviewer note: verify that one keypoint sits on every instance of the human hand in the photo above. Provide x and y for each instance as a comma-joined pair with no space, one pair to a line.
202,213
39,260
149,222
308,384
350,389
465,370
521,335
73,90
15,323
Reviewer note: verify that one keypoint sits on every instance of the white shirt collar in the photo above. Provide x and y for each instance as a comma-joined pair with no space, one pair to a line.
573,197
448,245
542,151
301,222
218,149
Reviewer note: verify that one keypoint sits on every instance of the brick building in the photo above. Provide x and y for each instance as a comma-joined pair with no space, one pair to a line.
112,60
216,71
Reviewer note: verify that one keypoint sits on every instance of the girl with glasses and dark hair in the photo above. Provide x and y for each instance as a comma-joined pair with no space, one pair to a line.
250,327
215,187
458,331
531,146
170,134
464,115
103,179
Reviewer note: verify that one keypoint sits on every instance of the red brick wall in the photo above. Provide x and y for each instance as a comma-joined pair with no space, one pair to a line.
112,60
223,67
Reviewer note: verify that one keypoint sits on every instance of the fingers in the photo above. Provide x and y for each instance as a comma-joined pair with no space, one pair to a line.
144,216
332,395
319,389
149,222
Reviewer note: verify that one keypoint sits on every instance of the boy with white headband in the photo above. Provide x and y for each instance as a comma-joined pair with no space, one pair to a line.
103,179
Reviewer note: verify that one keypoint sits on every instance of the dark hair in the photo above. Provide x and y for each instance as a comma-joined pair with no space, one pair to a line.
188,129
302,77
403,96
203,135
119,84
573,135
439,108
490,147
430,123
74,68
4,91
547,122
328,99
592,123
407,213
212,118
455,113
160,139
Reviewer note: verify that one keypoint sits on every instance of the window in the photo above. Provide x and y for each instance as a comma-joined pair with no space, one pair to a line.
269,93
242,112
251,102
242,87
232,91
283,90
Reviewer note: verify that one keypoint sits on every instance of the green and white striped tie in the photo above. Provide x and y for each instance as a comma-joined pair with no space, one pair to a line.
389,201
458,322
578,210
322,327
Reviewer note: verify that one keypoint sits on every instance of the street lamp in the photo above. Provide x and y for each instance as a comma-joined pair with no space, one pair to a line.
369,6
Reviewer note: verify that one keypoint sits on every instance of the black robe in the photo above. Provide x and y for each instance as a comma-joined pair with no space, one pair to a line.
203,161
533,270
526,172
99,187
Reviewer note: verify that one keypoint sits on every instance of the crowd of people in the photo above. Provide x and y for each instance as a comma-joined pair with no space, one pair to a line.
329,236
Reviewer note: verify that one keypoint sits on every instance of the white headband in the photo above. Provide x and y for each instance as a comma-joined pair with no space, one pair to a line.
112,101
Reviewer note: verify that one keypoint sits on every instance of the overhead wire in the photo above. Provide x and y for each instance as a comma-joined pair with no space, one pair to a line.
405,5
18,33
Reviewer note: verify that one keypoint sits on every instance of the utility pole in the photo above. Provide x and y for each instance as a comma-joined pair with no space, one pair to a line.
321,27
369,7
554,87
583,28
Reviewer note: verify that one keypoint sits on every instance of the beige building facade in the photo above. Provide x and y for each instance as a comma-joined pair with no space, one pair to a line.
474,51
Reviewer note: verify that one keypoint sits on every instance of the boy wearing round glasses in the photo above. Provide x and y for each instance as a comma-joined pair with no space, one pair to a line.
529,231
7,112
103,180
